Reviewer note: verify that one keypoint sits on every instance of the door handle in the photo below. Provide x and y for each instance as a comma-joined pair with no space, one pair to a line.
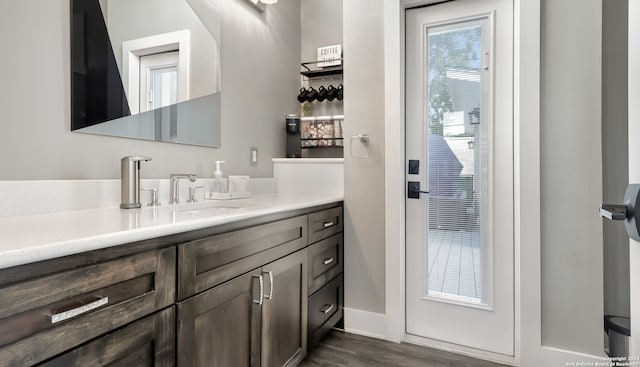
413,190
626,211
613,212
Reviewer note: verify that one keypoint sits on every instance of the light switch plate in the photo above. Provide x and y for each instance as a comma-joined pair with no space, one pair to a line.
253,157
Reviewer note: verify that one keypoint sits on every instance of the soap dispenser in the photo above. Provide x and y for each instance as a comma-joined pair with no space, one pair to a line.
218,183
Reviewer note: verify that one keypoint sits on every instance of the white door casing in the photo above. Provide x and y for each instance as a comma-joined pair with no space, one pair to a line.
158,73
485,323
634,167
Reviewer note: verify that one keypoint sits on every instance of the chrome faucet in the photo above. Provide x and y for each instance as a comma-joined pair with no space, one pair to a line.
174,188
130,181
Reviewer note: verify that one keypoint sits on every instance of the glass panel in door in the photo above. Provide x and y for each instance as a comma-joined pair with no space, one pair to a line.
456,153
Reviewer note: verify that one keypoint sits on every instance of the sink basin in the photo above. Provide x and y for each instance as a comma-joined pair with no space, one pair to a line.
207,208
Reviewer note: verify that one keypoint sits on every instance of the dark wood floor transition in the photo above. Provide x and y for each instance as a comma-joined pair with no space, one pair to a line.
342,349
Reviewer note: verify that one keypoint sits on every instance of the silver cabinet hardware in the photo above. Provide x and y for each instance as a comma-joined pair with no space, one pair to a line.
328,260
261,282
326,308
61,316
270,295
328,224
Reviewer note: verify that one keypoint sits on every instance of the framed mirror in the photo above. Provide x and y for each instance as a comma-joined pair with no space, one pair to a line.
146,69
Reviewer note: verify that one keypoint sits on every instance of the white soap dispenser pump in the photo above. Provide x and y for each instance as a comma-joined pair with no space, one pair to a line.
218,183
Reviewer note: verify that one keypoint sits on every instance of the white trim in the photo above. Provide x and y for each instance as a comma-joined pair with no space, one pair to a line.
395,156
528,334
133,50
394,170
365,323
634,171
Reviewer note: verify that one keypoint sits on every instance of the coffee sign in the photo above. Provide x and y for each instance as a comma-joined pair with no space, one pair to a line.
332,54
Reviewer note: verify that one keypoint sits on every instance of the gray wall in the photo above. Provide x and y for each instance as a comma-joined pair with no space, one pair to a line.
321,23
260,64
615,167
571,175
364,178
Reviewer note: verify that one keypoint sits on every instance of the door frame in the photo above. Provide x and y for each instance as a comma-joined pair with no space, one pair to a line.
634,172
527,260
432,318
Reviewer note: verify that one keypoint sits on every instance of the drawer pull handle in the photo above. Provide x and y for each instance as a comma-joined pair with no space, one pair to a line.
328,224
270,295
261,281
326,309
328,260
58,317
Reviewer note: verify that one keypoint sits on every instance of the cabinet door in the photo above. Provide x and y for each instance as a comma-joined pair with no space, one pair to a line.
284,314
221,327
147,342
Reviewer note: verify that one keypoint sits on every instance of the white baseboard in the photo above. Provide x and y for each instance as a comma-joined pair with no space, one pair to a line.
365,323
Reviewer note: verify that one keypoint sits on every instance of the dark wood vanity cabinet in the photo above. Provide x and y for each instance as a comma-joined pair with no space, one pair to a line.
325,281
284,315
221,327
256,319
147,342
65,306
249,293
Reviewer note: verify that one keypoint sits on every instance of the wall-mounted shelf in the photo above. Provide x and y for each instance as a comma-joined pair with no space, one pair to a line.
323,141
318,72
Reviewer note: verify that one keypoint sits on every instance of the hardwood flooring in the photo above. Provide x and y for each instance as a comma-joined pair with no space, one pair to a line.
342,349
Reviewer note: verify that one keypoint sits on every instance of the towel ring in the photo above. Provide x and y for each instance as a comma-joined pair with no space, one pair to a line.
364,139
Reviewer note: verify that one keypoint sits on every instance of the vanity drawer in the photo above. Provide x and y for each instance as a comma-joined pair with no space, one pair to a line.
325,223
210,261
43,317
325,261
149,342
326,303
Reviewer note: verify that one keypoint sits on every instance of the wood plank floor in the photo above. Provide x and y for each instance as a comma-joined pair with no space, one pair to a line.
342,349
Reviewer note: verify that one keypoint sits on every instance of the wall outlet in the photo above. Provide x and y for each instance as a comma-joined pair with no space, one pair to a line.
253,157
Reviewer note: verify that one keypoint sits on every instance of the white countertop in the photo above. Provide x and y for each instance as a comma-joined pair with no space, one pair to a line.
30,238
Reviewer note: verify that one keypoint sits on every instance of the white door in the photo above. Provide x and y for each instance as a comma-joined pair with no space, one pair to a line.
158,80
459,135
634,167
